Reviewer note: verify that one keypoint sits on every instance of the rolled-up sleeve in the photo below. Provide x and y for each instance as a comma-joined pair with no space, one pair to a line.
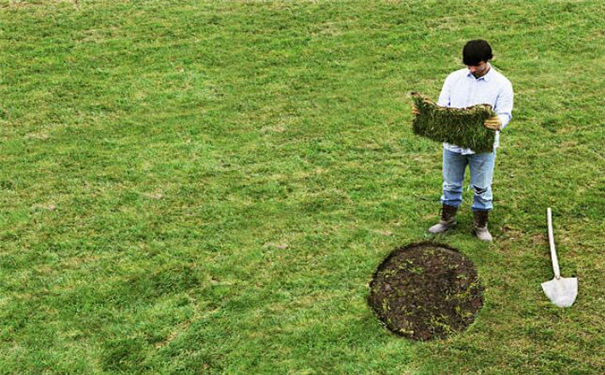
504,104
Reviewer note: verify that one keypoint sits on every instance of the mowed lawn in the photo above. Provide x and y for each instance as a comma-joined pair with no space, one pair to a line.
207,187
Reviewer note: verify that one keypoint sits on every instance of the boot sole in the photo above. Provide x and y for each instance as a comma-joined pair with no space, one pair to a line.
474,233
447,229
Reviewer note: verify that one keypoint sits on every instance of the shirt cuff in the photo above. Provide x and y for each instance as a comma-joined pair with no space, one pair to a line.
504,119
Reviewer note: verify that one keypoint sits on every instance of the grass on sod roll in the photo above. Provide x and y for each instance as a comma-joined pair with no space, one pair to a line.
458,126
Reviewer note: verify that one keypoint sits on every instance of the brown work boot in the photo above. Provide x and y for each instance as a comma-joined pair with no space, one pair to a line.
481,218
447,221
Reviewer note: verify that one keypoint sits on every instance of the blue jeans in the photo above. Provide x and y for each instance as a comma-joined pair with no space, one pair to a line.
482,171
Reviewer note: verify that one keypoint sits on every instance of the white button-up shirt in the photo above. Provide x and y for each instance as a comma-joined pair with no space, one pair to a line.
461,89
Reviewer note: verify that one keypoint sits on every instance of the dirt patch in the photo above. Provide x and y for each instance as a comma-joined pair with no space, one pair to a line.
426,290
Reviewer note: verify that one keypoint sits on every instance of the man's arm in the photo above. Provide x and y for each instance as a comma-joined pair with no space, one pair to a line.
444,97
503,109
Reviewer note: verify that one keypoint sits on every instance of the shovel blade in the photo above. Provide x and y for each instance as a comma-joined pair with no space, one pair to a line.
562,292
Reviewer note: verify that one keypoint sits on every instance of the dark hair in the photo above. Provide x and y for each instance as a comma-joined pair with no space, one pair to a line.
476,51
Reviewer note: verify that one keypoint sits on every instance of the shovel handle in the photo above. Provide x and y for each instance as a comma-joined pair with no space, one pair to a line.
551,241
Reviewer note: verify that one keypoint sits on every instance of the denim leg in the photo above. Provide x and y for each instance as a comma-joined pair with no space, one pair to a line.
482,172
454,165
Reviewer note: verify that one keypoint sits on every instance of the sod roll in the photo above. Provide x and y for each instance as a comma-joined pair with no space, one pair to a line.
458,126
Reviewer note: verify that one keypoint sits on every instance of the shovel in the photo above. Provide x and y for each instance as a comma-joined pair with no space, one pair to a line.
562,291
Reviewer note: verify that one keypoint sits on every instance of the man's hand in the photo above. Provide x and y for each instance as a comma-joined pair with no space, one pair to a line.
493,123
415,111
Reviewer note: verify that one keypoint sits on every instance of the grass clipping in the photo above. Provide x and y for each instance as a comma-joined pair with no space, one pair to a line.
458,126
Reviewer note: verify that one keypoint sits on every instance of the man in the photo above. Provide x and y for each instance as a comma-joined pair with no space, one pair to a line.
479,83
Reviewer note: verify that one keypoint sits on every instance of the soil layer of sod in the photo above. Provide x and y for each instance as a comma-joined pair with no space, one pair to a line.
426,290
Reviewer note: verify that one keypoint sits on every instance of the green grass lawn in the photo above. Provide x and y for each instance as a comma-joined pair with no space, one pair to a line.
207,187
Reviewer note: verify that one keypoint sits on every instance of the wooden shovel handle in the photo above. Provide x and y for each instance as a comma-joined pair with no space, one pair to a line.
551,241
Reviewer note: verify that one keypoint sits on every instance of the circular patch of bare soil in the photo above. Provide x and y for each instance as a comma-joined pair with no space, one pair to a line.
426,290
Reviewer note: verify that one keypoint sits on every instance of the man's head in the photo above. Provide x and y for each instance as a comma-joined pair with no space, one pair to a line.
475,55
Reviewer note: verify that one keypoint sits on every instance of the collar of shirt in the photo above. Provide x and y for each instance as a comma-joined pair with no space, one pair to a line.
486,77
